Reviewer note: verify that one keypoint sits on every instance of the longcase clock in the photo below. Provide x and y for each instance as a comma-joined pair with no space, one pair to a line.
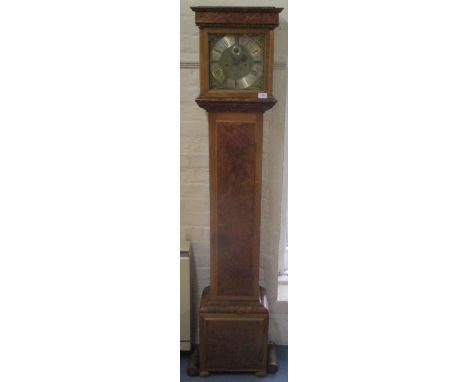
236,67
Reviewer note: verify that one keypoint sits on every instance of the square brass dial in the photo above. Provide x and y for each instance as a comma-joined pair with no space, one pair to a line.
236,61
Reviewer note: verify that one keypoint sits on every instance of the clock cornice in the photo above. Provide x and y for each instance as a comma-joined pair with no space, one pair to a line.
254,17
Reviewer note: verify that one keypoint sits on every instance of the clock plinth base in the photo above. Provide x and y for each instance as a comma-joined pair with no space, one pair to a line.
233,335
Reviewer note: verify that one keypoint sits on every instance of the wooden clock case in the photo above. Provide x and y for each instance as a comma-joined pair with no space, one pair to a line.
234,316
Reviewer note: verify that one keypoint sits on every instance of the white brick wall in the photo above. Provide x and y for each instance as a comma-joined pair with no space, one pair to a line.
194,178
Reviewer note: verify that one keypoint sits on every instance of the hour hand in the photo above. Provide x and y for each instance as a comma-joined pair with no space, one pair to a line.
236,50
236,53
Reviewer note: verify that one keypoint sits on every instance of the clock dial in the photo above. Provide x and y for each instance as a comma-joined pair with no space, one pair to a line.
236,61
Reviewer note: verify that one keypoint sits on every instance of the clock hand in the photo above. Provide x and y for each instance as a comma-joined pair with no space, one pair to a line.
236,53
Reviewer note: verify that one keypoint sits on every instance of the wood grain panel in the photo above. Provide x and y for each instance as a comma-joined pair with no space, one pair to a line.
237,343
236,207
235,158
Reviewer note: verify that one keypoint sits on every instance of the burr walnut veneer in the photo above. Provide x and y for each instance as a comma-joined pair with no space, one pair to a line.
236,60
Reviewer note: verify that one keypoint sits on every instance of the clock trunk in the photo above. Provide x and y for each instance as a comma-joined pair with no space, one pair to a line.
235,190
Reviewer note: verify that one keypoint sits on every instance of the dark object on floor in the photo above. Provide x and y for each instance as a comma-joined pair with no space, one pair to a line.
280,376
192,368
272,359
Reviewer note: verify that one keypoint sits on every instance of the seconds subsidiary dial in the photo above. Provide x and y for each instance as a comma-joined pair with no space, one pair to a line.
236,62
